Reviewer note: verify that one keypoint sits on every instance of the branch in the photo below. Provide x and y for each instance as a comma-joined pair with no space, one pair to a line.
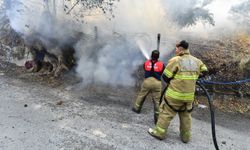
73,7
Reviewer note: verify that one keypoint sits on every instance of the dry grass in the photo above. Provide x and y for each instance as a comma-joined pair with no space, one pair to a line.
230,105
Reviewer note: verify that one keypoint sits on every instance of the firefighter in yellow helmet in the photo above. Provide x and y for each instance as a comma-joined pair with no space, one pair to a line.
151,84
181,74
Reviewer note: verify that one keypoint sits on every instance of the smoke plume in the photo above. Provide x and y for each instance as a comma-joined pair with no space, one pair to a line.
188,12
241,13
112,38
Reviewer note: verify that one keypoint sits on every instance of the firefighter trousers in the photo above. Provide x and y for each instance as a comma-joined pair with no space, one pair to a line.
149,85
166,114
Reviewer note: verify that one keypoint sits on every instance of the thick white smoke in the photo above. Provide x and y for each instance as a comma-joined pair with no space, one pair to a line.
122,42
113,52
112,61
114,56
240,13
229,19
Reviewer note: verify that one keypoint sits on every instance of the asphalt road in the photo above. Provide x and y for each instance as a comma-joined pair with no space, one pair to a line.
38,117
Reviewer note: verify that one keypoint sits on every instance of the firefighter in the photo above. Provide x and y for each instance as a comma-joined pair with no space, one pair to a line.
151,84
181,74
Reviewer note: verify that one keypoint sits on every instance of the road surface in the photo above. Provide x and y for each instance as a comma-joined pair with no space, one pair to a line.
39,117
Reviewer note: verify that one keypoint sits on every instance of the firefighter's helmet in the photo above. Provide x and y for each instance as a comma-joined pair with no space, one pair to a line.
155,55
183,44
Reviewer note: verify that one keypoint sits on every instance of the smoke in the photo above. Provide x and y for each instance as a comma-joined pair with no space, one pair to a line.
122,42
38,19
241,13
112,61
188,12
126,29
226,21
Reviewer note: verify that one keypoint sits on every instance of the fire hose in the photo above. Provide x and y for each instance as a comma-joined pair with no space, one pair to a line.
224,83
211,114
201,83
210,108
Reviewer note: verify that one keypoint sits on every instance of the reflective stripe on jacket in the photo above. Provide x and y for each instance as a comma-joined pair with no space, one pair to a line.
184,71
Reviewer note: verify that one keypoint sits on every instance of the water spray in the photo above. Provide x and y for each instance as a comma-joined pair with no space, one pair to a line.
142,46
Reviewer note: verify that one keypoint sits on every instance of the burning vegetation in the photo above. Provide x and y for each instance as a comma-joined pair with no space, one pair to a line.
227,60
35,55
53,46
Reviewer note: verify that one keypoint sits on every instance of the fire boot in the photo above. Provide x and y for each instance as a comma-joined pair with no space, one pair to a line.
136,110
185,136
157,132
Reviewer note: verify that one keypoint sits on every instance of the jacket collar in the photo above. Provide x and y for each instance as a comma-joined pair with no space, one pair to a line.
184,52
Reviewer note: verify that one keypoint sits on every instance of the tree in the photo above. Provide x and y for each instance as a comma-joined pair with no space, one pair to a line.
97,6
188,12
241,13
